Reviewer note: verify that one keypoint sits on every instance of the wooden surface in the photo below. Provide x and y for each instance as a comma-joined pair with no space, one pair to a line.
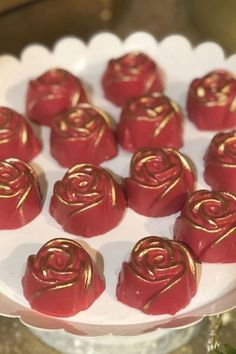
6,5
44,21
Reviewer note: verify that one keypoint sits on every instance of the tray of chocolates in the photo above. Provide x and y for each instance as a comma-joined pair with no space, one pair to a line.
117,182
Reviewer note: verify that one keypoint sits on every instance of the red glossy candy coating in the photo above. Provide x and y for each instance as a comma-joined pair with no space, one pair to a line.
160,277
160,181
61,279
82,134
52,93
16,136
207,224
20,196
87,201
211,102
151,120
220,162
134,74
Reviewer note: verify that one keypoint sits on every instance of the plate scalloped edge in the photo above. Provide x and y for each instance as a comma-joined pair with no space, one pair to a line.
71,52
10,308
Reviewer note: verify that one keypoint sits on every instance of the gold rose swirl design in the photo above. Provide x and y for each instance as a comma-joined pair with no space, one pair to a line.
146,155
9,117
221,223
163,263
27,172
69,249
154,109
90,199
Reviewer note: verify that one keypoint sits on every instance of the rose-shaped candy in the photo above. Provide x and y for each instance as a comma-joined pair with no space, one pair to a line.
20,196
87,201
151,120
82,134
207,224
16,136
52,93
220,162
133,74
61,279
160,181
160,277
211,102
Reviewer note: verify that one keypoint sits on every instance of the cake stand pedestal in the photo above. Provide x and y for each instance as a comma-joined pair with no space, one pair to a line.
162,341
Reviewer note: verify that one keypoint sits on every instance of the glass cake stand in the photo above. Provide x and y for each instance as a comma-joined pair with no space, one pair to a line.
162,341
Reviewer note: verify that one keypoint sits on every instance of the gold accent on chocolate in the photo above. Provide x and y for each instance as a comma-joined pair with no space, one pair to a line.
88,274
175,106
89,129
113,194
128,63
154,113
96,197
162,125
75,99
201,91
139,161
69,249
152,244
218,198
24,190
210,83
20,128
24,196
24,134
232,107
228,139
149,82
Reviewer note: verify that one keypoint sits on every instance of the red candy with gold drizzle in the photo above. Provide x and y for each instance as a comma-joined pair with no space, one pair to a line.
16,136
220,162
211,103
160,181
61,279
133,74
151,120
52,93
160,277
82,134
87,201
20,196
207,224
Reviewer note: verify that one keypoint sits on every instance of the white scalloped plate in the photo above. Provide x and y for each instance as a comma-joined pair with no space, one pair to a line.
181,63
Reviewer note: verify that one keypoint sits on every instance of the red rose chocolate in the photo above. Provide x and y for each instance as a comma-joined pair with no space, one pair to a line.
153,121
160,277
87,201
211,102
20,196
160,181
133,74
16,136
220,162
52,93
82,134
207,224
61,279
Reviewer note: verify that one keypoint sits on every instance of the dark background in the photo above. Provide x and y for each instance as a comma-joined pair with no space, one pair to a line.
44,21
